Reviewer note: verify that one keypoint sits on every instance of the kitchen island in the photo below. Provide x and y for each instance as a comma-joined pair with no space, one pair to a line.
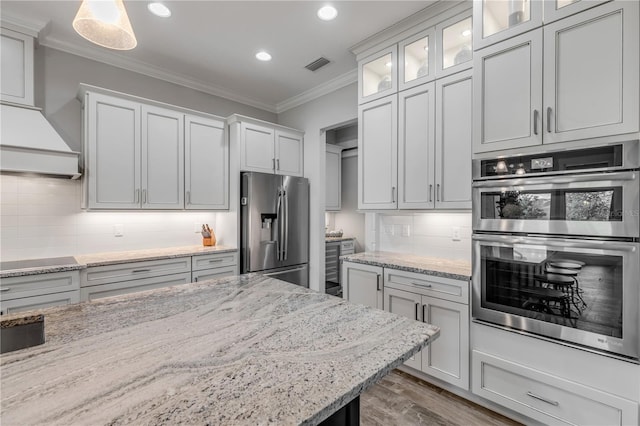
239,350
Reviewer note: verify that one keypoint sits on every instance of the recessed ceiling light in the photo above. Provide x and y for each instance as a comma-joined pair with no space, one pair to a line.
263,56
159,9
466,33
327,13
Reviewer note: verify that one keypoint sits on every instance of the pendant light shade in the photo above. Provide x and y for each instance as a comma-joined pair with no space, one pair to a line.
105,23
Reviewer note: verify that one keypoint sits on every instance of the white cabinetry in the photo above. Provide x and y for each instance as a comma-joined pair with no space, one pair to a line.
333,184
206,171
16,50
442,302
363,284
216,265
39,291
268,148
580,99
113,280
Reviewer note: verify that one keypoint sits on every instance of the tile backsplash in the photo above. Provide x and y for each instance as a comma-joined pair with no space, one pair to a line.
42,217
424,234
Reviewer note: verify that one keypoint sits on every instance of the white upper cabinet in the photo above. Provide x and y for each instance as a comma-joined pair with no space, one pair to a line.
206,171
591,73
416,147
113,152
16,62
378,75
162,158
508,94
557,9
378,154
455,45
581,98
268,148
333,184
417,59
454,115
497,20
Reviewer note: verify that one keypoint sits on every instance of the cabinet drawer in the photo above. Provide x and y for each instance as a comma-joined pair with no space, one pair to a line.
37,285
125,287
213,273
136,270
215,260
39,302
346,245
428,285
545,397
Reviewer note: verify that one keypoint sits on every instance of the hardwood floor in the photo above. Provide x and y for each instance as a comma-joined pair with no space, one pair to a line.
403,400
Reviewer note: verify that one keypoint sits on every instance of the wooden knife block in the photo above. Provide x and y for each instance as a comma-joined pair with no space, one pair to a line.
209,241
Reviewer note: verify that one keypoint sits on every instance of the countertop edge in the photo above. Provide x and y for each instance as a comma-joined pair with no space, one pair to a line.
392,265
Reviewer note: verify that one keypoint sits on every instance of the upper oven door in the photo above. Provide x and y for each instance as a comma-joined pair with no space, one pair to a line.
594,204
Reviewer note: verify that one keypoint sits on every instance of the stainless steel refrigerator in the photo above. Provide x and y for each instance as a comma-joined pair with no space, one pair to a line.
274,213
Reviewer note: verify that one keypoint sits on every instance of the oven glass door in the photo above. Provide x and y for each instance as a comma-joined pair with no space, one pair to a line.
593,204
583,292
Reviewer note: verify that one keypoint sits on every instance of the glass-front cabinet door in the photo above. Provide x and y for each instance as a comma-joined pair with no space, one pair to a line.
496,20
455,44
378,75
417,59
557,9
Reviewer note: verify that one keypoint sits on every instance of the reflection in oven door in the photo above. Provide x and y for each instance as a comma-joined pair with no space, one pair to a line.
584,292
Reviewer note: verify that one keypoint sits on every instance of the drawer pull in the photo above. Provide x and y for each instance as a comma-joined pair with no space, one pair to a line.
378,282
215,260
421,284
543,399
137,271
417,306
5,289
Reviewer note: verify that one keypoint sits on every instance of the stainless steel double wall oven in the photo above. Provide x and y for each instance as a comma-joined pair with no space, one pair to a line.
555,246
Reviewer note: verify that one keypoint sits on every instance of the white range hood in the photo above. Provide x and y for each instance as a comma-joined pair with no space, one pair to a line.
29,144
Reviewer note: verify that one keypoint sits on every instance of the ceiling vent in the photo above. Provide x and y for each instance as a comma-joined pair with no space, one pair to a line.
318,63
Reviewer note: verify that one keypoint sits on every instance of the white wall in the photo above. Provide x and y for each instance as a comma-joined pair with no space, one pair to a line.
41,217
312,117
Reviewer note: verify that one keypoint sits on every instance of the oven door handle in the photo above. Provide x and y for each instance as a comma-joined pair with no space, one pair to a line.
591,177
556,242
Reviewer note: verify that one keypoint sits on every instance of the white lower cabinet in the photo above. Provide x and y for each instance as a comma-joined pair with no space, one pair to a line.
211,266
39,291
545,397
363,284
411,295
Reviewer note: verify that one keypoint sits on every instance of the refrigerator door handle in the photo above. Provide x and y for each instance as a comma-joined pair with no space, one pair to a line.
279,219
286,226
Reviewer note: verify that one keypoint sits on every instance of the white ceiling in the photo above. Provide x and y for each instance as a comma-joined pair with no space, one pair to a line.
211,45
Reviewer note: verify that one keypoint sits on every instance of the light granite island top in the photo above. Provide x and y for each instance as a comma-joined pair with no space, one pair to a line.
239,350
436,266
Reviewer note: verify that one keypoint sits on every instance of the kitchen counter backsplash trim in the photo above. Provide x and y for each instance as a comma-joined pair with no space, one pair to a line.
114,258
438,267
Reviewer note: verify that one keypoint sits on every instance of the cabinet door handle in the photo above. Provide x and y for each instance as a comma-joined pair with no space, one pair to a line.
378,282
543,399
393,194
548,119
535,121
417,306
424,315
278,164
144,196
438,192
273,163
137,196
188,197
430,192
137,271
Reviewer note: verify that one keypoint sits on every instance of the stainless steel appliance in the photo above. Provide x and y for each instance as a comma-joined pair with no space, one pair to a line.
556,248
274,236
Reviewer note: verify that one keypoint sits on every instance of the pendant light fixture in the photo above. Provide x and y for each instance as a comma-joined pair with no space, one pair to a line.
105,23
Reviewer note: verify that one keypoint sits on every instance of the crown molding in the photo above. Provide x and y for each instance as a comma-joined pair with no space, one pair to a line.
149,70
29,27
318,91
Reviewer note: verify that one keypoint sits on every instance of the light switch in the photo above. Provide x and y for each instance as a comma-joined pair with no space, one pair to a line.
455,233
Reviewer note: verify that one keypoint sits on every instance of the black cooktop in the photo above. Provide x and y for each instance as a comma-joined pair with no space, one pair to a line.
37,263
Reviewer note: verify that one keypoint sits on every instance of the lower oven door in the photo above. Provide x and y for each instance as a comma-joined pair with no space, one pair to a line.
579,291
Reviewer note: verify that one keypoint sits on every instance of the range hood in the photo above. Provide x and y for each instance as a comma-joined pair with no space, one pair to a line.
29,144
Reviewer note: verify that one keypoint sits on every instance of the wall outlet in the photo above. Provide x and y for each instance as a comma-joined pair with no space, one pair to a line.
197,228
455,233
118,230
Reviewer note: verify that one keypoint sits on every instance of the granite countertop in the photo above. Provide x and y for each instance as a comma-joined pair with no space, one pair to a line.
111,258
332,239
436,266
239,350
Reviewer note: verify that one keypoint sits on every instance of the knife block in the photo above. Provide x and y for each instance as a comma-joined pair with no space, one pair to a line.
209,241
